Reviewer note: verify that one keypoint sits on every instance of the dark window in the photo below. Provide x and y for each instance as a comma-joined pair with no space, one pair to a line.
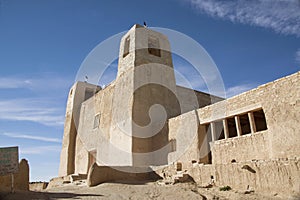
219,130
245,124
126,47
88,94
153,46
231,127
178,166
260,120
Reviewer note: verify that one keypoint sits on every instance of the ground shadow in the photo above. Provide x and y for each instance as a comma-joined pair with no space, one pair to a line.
23,195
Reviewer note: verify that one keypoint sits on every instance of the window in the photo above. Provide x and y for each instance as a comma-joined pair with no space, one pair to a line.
126,47
260,120
245,124
231,127
153,46
178,166
97,121
219,130
88,94
259,124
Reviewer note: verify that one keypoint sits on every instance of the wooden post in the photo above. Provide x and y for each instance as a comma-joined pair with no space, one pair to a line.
12,183
225,126
238,126
252,122
213,131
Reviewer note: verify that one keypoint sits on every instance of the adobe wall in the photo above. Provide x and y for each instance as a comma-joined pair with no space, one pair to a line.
190,98
76,96
245,148
101,174
280,101
38,186
281,176
183,130
267,161
101,104
21,179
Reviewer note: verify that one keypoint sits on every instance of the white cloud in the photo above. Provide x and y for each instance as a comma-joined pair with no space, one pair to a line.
40,149
238,89
34,109
283,16
297,57
10,83
44,81
32,137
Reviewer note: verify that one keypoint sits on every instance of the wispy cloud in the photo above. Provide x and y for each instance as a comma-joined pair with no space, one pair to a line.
10,83
51,81
37,110
32,137
40,149
283,16
238,89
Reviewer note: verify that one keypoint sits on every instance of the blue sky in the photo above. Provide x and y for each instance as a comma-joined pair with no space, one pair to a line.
43,43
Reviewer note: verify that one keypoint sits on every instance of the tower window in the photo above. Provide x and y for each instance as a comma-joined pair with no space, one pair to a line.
96,121
126,47
88,94
153,46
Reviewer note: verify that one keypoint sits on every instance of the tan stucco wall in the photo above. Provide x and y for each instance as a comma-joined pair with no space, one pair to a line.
75,98
280,101
21,179
281,176
244,148
280,140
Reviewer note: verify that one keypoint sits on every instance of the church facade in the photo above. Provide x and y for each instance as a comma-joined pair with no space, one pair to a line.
144,124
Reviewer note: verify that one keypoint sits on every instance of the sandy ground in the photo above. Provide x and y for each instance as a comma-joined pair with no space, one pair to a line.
152,190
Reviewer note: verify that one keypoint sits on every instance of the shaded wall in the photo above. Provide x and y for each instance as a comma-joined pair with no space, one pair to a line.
21,179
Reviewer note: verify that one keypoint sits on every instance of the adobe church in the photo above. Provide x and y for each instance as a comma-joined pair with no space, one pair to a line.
143,126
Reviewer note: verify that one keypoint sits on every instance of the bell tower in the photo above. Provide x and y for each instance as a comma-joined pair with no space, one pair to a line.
145,95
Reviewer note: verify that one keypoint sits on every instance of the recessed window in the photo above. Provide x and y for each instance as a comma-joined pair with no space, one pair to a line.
153,46
97,121
231,127
260,120
126,47
219,130
178,166
245,124
88,94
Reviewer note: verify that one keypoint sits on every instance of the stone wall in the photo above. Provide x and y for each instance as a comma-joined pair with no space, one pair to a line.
38,186
266,161
280,101
281,176
281,139
21,179
244,148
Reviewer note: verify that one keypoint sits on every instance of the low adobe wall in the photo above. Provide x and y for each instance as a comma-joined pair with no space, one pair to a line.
241,149
21,179
272,176
38,186
100,174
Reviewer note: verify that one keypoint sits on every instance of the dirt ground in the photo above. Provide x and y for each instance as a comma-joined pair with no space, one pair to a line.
137,190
